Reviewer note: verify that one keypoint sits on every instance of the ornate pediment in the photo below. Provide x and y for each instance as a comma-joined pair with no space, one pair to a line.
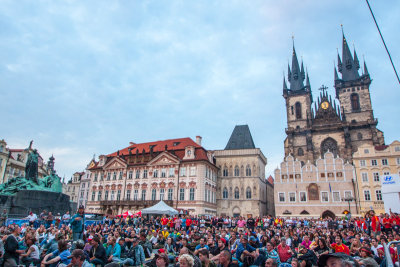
115,163
164,158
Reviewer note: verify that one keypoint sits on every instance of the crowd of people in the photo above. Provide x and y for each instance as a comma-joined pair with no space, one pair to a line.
194,241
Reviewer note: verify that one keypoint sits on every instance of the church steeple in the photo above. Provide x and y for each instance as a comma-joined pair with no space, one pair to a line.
365,69
296,75
350,69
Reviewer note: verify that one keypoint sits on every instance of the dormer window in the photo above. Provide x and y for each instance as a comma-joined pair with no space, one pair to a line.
189,152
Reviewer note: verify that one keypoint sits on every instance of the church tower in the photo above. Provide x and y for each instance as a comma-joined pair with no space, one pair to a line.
352,91
298,99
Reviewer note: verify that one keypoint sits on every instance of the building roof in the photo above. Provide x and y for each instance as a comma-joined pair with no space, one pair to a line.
240,138
270,180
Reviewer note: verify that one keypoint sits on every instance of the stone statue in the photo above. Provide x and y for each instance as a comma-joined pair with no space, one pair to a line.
31,168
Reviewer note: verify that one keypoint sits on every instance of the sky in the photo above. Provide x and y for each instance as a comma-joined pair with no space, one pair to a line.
88,77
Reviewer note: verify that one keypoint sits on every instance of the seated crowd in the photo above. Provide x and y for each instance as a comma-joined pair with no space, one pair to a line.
198,241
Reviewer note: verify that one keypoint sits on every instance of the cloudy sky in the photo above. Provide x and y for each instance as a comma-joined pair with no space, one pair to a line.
87,77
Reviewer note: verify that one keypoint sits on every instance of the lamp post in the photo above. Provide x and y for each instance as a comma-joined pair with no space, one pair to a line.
348,199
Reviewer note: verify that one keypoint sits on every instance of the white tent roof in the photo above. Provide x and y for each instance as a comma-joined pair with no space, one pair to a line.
160,208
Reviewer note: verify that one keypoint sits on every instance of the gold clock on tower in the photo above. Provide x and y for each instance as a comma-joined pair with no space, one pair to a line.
324,105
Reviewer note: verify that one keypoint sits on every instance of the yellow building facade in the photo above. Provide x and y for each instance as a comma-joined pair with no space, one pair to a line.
371,163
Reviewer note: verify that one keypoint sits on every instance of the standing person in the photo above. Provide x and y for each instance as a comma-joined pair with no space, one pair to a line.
3,218
375,224
251,223
65,218
49,219
11,251
78,223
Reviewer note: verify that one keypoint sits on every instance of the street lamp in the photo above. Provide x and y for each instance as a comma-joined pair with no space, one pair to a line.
348,199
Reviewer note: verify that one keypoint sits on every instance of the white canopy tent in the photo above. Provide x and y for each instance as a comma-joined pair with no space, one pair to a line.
160,208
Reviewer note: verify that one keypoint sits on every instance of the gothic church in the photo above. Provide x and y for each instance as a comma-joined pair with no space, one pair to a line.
340,128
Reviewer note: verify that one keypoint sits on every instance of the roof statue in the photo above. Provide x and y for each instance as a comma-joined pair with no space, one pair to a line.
50,183
240,138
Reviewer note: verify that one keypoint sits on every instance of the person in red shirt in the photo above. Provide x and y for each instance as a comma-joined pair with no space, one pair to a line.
284,251
164,221
375,224
387,223
188,222
339,246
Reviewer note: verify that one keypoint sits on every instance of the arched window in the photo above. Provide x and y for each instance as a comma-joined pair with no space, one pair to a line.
248,170
236,193
300,152
225,193
225,171
298,110
248,193
236,170
359,136
355,102
329,144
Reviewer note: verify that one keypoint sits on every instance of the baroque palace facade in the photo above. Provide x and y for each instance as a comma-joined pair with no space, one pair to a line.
324,138
179,171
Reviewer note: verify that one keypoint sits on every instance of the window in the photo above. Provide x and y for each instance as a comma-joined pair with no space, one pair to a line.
155,173
324,197
282,197
138,174
99,196
182,194
192,171
128,194
114,175
112,195
397,148
355,102
95,176
205,194
336,196
153,194
225,172
364,176
303,197
292,197
376,177
119,195
171,172
135,194
359,136
83,185
248,193
130,175
384,162
386,173
108,176
170,193
248,170
144,173
298,110
162,191
102,177
106,195
366,151
163,173
237,193
93,195
347,194
183,171
367,195
225,193
378,195
362,163
191,194
236,170
120,175
300,152
398,161
143,194
374,162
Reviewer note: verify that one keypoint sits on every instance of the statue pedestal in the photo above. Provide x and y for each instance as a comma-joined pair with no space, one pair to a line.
36,201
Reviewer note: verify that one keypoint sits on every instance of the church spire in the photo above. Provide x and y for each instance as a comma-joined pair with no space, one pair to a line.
284,83
336,74
296,76
349,70
365,69
356,62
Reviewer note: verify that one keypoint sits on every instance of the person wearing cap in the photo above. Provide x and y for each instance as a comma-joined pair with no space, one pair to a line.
366,258
97,253
78,259
244,249
336,259
78,224
32,217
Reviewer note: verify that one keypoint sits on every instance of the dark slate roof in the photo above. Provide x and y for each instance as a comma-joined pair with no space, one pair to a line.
240,138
